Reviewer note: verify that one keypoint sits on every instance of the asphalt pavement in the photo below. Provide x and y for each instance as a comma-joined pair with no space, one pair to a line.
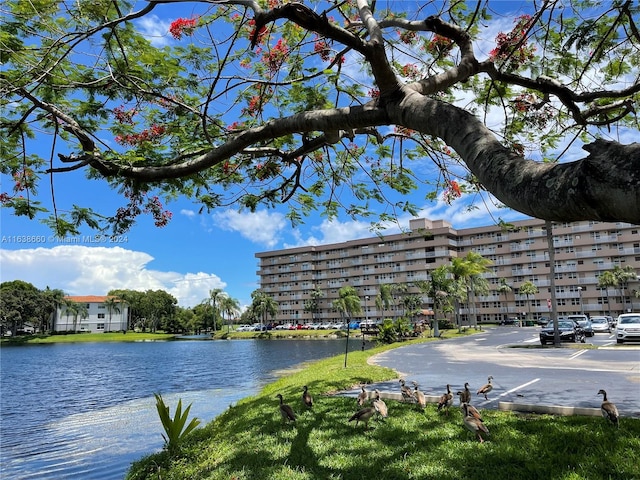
547,380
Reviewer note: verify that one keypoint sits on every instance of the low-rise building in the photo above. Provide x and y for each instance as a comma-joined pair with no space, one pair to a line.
91,313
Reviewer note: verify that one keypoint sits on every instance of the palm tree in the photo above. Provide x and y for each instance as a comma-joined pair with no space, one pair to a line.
528,288
229,306
462,269
214,295
112,304
348,302
477,284
605,280
505,288
623,275
313,304
439,288
384,299
263,305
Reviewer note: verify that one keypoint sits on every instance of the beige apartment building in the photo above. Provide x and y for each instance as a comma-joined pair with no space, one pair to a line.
583,251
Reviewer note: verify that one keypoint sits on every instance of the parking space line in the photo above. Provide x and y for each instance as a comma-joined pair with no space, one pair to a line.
577,354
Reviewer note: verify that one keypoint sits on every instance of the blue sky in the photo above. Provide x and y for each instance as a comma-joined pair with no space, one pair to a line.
194,252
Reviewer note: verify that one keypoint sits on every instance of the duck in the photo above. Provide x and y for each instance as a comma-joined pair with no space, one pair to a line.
608,409
286,411
363,396
466,394
307,399
483,390
446,400
363,415
473,424
380,406
471,410
419,396
407,394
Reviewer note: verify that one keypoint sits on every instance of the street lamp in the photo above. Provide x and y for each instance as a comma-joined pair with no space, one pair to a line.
366,318
580,295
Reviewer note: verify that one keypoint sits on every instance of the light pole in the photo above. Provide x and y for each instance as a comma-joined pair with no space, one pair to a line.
580,295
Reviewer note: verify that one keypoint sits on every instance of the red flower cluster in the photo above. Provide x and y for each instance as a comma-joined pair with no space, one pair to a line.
4,198
374,93
254,106
124,116
399,129
410,70
147,135
182,26
23,180
276,56
408,37
452,192
139,202
261,33
439,45
512,47
322,48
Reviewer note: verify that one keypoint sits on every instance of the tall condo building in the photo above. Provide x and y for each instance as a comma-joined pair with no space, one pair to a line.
582,252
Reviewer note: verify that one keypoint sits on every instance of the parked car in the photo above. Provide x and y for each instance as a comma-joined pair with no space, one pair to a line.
354,325
628,327
570,331
258,327
326,326
542,321
244,328
600,324
584,322
284,326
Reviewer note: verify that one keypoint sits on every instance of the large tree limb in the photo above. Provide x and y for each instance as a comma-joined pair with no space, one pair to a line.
603,186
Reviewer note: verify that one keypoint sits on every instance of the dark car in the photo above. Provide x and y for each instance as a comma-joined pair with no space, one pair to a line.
570,331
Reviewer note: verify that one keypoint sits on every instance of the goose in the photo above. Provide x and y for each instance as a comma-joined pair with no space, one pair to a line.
380,406
608,409
473,424
307,399
286,411
471,410
363,415
419,396
446,400
466,394
407,394
486,388
363,396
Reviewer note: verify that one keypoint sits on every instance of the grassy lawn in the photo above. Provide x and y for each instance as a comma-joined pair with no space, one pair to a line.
87,337
250,441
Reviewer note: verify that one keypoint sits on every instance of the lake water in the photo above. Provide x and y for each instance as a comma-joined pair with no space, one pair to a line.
86,411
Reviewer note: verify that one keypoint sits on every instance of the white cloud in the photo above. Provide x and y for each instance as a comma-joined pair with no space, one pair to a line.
187,213
81,270
155,30
262,227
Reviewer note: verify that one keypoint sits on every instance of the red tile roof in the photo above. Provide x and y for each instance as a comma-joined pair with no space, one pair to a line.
90,298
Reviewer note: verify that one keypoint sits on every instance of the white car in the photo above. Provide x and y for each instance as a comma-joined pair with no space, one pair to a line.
628,327
244,328
600,324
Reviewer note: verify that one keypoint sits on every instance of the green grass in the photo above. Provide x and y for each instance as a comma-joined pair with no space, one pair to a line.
87,337
250,441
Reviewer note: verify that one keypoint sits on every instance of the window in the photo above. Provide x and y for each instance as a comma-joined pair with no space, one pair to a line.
101,315
100,326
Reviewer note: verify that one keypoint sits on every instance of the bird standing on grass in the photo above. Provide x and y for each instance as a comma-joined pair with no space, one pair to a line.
446,400
419,396
307,399
608,409
473,424
363,396
363,415
407,394
380,406
470,409
486,388
466,394
286,411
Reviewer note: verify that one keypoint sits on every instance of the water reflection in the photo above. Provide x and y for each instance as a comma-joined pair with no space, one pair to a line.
87,411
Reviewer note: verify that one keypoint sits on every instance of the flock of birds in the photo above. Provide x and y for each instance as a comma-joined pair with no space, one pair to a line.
471,417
